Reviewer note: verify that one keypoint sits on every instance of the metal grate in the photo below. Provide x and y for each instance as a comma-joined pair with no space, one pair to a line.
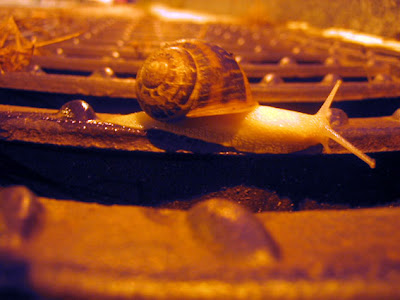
302,65
287,67
216,249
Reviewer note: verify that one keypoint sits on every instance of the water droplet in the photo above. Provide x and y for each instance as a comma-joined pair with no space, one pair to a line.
20,210
36,69
241,41
338,117
297,50
287,61
332,61
382,78
258,49
115,54
77,110
271,79
104,73
396,115
330,79
227,35
233,232
60,51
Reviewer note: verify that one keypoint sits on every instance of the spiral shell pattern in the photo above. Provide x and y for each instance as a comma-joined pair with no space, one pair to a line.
194,79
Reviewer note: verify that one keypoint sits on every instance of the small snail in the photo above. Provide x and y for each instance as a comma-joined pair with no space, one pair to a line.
198,90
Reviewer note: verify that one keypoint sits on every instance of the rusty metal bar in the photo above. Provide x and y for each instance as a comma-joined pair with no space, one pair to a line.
103,86
375,134
272,260
121,65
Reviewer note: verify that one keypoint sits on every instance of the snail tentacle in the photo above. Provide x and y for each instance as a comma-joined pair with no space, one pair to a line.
332,134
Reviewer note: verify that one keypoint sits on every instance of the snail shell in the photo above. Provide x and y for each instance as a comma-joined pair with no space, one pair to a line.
194,79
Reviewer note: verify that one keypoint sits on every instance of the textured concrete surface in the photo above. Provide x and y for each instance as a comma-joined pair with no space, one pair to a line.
378,17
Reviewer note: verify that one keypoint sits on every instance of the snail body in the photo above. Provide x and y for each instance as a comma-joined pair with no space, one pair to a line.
263,130
255,129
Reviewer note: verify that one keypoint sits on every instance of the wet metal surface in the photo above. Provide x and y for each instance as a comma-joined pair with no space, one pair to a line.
90,209
216,250
121,45
76,124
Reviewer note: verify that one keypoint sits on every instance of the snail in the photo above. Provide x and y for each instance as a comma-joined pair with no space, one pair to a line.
198,90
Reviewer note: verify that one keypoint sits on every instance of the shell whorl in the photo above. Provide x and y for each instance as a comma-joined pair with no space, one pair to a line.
194,79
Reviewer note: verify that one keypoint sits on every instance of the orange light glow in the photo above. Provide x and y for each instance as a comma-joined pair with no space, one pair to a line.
296,25
348,36
362,38
184,15
352,36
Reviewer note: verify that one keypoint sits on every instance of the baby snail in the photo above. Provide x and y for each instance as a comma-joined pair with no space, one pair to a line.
198,90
